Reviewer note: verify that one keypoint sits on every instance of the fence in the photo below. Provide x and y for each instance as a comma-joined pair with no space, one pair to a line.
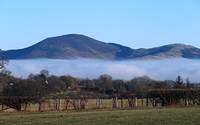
75,104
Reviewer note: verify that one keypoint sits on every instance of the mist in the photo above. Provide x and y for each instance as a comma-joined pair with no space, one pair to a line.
167,69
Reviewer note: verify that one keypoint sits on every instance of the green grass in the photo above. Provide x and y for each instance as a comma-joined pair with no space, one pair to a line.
165,116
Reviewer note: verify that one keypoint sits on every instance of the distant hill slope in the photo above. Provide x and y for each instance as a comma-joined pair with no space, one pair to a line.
79,46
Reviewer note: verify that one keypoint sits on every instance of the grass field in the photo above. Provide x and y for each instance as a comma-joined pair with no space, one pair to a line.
165,116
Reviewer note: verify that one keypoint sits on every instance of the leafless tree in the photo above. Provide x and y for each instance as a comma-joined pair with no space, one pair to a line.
3,62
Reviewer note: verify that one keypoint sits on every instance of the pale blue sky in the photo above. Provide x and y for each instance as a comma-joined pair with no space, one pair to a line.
135,23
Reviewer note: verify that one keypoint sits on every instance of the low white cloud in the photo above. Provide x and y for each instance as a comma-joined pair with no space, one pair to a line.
85,68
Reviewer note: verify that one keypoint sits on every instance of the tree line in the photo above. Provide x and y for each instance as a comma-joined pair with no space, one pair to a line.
45,85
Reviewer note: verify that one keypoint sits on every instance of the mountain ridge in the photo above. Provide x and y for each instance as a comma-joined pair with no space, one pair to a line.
74,46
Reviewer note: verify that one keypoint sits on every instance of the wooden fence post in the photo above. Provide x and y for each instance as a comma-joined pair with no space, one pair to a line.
136,102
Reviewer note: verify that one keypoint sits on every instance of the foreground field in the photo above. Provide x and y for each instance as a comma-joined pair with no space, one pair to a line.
166,116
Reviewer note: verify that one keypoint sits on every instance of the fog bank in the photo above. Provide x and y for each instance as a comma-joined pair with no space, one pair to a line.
167,69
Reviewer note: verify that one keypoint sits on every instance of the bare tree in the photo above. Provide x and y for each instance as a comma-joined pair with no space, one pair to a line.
179,82
45,74
3,62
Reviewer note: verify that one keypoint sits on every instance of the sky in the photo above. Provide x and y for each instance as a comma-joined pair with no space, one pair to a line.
134,23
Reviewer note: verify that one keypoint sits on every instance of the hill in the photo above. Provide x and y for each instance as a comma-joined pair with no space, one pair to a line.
80,46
